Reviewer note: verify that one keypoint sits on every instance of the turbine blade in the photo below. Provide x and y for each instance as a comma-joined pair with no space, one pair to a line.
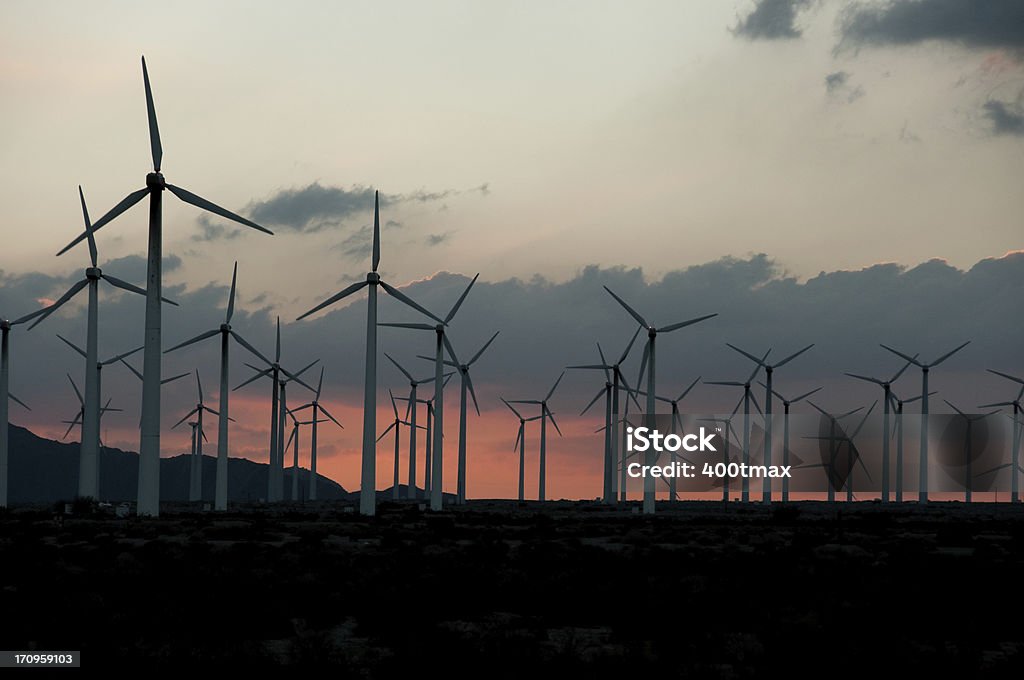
519,435
299,380
28,317
154,131
72,345
75,388
413,326
486,345
687,390
231,295
729,383
277,346
122,356
201,336
555,386
472,392
394,406
385,432
88,228
684,324
394,292
630,345
794,355
127,202
753,398
864,419
912,359
165,380
998,403
201,202
949,354
17,401
186,417
199,386
291,437
458,303
72,425
376,229
63,299
399,367
643,364
203,432
259,375
334,298
632,312
955,408
553,421
451,350
604,363
900,372
596,367
594,400
132,369
1007,376
242,341
327,413
803,396
114,281
865,378
512,408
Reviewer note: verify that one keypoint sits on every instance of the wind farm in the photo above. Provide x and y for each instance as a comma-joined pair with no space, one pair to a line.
488,397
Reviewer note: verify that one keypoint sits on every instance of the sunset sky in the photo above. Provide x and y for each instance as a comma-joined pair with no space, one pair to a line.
814,171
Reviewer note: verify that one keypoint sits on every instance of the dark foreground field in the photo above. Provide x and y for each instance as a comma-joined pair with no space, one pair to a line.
502,590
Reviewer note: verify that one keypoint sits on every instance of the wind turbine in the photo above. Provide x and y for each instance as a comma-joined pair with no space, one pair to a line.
833,449
225,331
898,435
149,447
886,386
5,329
969,421
747,398
729,431
925,368
275,474
521,445
195,492
396,426
467,383
786,403
318,408
429,403
675,420
612,387
412,401
80,414
545,413
294,438
649,361
437,489
1015,451
769,369
88,477
368,474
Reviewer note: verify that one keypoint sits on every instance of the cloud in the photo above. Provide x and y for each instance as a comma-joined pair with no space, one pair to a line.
213,231
358,244
438,239
838,85
1006,118
973,23
771,20
834,81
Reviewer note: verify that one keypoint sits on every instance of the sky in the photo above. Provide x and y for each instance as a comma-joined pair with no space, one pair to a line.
843,173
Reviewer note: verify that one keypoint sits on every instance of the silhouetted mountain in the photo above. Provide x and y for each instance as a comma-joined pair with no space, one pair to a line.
43,470
384,495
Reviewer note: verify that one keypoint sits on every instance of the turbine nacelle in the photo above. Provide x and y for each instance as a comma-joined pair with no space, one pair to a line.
225,328
372,278
5,324
94,273
155,180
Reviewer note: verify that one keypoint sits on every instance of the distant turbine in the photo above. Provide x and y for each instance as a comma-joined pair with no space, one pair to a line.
969,420
225,331
93,372
1017,427
80,415
729,430
521,445
675,420
545,413
613,384
467,383
747,398
88,477
437,488
195,488
786,403
275,473
396,426
412,401
898,436
769,369
368,474
293,440
834,448
5,329
429,403
925,368
886,386
149,447
318,408
649,356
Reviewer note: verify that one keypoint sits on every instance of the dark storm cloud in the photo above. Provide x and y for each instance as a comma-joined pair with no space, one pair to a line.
1006,119
545,326
974,23
771,20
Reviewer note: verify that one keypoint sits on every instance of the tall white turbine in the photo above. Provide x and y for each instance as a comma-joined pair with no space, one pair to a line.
649,360
410,411
748,397
149,446
676,421
275,472
545,413
1014,464
396,425
521,445
886,386
769,369
898,436
318,408
195,487
429,403
88,477
922,496
730,432
786,403
618,381
368,472
5,328
437,473
467,384
225,332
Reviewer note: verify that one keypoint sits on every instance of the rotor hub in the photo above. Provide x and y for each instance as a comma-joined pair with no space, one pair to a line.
373,278
5,325
225,328
652,331
93,273
155,180
439,329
